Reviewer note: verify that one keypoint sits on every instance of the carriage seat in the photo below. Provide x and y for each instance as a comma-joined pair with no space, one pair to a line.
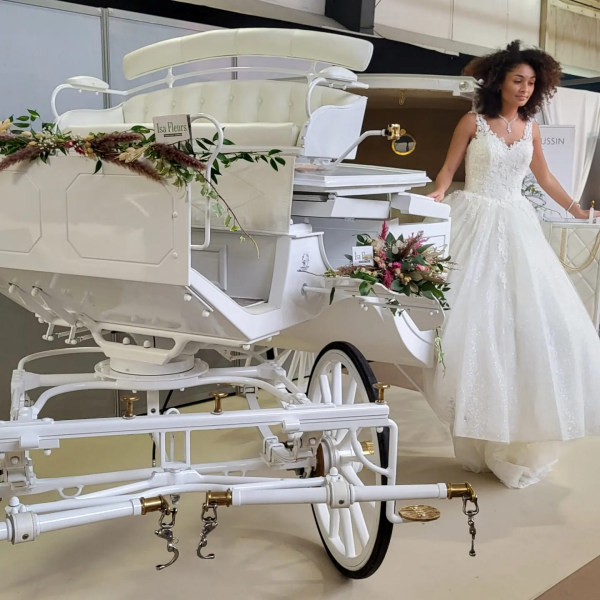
255,112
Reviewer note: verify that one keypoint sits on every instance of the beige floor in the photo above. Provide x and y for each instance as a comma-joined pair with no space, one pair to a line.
527,541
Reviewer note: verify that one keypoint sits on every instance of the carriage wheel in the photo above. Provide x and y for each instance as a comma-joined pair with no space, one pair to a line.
355,538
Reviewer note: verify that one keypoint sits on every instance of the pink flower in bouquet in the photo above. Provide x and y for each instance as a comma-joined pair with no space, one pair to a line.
406,266
388,277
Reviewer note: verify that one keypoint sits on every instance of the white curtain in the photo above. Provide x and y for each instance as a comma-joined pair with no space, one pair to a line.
582,109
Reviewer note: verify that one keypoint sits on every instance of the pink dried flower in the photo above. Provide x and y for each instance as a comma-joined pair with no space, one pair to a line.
138,166
384,231
26,153
173,154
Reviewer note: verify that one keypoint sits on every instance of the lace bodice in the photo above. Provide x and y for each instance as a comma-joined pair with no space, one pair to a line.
493,168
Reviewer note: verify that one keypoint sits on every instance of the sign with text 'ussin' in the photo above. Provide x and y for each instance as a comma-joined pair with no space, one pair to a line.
558,145
172,129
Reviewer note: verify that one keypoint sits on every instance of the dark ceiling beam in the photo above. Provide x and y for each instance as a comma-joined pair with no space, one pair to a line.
388,56
356,15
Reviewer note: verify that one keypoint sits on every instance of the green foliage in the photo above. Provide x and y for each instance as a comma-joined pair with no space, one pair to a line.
406,266
136,149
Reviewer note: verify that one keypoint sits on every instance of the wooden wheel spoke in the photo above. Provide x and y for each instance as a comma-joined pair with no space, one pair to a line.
334,523
360,525
346,532
336,384
351,392
325,388
356,537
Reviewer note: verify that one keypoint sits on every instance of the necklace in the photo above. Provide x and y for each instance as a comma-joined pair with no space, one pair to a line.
509,123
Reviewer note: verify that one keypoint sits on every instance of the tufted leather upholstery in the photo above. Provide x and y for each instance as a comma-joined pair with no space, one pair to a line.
255,113
234,101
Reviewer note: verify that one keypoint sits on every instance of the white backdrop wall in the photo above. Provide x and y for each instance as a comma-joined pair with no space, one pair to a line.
470,26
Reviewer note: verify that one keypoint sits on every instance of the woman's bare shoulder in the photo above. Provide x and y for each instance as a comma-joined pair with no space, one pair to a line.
468,124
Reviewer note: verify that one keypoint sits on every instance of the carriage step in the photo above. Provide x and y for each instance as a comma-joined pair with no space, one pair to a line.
419,512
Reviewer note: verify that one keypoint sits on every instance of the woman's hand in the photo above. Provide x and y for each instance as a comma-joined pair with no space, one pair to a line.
437,195
582,213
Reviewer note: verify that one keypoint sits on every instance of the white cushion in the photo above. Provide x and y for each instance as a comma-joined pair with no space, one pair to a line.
254,113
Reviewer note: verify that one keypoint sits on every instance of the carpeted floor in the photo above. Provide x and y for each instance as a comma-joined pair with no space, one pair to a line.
527,540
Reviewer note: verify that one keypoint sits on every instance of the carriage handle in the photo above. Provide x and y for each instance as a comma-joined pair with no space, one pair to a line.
392,132
209,164
333,76
86,83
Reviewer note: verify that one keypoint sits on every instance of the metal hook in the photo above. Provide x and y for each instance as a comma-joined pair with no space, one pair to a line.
165,531
210,523
170,548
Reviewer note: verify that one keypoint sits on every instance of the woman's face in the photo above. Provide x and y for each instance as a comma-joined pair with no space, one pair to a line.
518,85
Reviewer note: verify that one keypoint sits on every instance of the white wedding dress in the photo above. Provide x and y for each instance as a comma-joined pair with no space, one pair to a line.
522,355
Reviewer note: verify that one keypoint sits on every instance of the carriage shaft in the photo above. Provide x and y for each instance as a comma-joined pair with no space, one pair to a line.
47,433
25,525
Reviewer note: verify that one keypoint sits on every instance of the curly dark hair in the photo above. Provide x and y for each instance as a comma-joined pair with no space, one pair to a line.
491,70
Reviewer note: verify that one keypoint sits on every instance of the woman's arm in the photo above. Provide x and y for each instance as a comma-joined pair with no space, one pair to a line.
464,132
549,183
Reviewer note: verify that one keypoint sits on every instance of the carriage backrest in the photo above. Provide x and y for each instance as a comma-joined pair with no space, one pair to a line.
349,52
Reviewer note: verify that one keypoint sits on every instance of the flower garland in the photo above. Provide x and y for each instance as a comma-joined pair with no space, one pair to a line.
135,150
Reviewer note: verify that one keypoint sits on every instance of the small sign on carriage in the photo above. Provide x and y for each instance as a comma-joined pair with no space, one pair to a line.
171,129
362,256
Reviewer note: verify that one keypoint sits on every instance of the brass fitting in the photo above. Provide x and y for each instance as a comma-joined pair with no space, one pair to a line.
219,498
394,131
368,448
154,504
129,401
218,396
461,490
381,387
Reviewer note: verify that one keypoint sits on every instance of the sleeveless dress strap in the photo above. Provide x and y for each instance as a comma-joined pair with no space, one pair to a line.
481,123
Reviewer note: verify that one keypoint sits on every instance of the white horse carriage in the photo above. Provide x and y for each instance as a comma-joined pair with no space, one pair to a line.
144,270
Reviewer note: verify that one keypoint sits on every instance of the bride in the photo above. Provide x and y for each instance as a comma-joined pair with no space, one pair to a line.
522,356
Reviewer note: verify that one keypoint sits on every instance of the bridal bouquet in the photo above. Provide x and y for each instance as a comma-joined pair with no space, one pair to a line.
407,266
